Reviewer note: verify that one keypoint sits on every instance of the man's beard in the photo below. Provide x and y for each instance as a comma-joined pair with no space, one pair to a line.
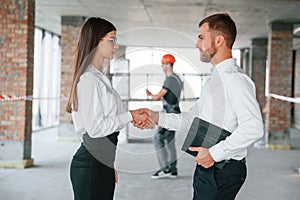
206,56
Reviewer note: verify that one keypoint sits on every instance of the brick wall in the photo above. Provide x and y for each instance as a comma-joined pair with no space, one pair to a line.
280,53
70,30
281,44
16,71
258,52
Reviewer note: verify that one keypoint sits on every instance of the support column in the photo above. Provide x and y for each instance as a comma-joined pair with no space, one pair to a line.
258,58
280,52
17,24
297,88
244,62
70,31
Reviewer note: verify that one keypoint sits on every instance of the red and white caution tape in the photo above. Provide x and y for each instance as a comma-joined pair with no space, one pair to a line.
284,98
12,98
28,98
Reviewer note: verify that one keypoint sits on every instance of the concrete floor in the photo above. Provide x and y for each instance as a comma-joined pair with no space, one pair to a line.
272,174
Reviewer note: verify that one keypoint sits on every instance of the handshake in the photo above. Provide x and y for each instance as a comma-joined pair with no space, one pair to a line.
144,118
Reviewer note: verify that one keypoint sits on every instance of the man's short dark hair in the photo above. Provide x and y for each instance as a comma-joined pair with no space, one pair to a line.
222,22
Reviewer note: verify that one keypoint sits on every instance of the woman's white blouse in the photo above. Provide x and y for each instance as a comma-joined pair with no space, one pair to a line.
100,108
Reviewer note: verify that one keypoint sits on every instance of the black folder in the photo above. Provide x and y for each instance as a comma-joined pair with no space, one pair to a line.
204,134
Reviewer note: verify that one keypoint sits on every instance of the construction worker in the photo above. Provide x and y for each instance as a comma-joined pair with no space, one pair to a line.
164,140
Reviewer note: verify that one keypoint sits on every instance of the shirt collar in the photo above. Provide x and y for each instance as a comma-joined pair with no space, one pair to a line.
225,65
93,69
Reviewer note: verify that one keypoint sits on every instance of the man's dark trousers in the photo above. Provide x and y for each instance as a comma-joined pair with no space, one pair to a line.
219,184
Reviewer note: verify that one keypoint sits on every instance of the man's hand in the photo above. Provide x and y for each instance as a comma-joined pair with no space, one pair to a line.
203,157
141,119
151,121
148,92
153,115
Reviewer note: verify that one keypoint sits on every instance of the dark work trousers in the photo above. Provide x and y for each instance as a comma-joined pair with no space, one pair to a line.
92,179
219,184
164,144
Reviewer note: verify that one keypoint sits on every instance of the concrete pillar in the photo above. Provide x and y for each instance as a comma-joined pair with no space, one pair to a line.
280,52
17,24
258,58
297,88
70,31
244,61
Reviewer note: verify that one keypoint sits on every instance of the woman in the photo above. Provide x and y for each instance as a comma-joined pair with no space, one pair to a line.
97,113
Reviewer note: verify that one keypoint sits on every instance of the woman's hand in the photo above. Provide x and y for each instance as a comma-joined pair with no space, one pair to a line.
116,177
141,119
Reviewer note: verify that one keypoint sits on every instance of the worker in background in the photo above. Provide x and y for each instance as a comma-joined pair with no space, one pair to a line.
164,140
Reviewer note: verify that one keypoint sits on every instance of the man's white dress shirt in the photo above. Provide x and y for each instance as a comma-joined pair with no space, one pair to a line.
227,100
100,108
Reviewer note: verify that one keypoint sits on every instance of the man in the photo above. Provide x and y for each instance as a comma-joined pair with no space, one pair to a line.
227,100
164,140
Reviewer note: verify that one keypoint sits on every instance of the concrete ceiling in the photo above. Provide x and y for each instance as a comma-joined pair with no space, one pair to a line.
169,23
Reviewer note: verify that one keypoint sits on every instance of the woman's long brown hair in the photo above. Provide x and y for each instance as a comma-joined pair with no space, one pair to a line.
92,31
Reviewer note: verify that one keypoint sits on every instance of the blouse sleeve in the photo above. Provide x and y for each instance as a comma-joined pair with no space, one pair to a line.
93,97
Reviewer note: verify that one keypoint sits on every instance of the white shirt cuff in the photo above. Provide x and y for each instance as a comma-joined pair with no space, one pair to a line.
161,119
216,153
125,118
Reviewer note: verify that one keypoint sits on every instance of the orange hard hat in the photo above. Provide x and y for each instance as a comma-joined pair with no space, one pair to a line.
168,58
